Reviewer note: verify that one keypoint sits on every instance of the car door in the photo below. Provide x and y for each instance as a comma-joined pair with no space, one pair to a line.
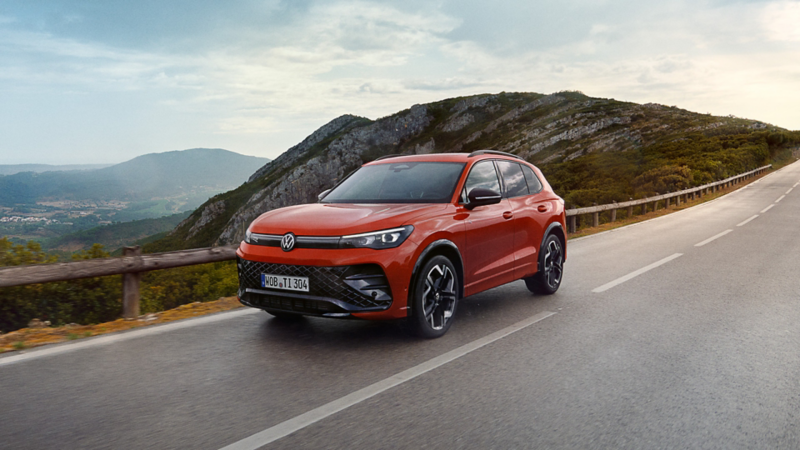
489,252
525,201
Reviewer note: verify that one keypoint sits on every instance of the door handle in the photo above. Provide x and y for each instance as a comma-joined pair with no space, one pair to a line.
542,208
508,215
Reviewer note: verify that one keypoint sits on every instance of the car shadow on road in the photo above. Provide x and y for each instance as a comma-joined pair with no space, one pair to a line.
476,316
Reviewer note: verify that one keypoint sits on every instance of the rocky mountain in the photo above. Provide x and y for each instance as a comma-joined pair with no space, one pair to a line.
589,148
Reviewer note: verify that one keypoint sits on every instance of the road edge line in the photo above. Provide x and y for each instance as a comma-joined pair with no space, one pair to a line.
106,339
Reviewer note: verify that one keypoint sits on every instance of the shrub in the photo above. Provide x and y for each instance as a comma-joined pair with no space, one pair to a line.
94,300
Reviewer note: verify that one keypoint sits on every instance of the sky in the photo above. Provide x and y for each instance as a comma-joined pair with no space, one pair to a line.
104,81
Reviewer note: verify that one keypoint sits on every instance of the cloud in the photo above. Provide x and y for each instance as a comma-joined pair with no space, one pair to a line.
264,76
781,21
445,84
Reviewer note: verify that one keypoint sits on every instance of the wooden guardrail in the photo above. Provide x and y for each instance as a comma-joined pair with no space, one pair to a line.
684,195
130,266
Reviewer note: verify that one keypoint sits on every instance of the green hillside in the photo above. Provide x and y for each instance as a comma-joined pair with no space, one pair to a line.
592,150
115,235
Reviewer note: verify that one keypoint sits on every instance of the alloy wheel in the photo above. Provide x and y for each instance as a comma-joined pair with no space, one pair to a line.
553,264
439,296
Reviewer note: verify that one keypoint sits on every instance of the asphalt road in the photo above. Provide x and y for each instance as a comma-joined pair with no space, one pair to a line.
700,351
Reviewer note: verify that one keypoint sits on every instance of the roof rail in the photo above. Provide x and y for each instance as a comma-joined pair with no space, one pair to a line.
387,157
493,152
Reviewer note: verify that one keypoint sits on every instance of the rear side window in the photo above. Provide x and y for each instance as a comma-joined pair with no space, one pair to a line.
483,176
534,185
513,178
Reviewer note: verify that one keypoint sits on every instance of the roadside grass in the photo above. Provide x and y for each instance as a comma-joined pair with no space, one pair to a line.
636,218
35,337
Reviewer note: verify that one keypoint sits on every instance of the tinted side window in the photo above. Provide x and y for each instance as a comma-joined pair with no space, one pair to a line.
534,185
484,176
513,178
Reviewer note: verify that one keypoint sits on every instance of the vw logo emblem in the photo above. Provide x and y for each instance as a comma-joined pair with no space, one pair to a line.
287,243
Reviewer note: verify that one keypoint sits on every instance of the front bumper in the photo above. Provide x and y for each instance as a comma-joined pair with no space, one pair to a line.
334,291
361,283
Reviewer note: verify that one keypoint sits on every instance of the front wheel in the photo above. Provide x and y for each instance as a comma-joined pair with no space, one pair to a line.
551,268
434,299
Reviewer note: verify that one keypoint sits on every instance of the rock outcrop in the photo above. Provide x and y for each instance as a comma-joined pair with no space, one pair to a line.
345,153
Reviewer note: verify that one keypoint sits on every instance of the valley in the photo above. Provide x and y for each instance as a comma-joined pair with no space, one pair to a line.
48,207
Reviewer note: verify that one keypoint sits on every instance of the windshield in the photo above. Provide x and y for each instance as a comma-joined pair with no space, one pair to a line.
411,182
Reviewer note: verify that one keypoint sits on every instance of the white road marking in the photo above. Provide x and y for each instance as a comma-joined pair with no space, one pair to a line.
748,220
795,185
766,209
790,190
635,273
780,198
716,236
288,427
124,336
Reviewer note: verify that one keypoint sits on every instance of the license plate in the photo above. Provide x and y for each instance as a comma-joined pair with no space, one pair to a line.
284,282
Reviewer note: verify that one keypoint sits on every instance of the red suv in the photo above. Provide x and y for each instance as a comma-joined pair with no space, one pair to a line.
407,237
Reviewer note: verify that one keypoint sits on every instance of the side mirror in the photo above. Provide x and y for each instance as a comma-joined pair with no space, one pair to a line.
323,194
480,197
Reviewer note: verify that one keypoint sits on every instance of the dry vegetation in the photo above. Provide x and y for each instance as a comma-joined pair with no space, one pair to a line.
34,337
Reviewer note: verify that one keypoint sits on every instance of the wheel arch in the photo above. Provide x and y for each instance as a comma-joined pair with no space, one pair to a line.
443,247
557,230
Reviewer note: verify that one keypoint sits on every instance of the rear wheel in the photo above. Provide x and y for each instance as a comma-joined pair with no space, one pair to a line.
435,298
551,268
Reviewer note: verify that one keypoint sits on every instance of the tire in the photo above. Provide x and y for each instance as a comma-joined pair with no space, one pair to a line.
284,316
551,263
434,298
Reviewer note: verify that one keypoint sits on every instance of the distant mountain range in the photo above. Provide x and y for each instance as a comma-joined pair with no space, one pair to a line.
592,150
11,169
155,175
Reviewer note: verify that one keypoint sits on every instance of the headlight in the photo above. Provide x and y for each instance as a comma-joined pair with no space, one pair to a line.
247,235
377,239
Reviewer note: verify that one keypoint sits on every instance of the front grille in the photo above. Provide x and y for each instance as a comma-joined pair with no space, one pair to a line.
341,286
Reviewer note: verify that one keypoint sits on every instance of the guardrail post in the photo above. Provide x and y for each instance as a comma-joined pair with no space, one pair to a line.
644,208
596,219
572,225
130,286
613,215
630,211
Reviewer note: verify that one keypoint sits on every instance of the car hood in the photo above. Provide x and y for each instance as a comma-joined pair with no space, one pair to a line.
339,219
